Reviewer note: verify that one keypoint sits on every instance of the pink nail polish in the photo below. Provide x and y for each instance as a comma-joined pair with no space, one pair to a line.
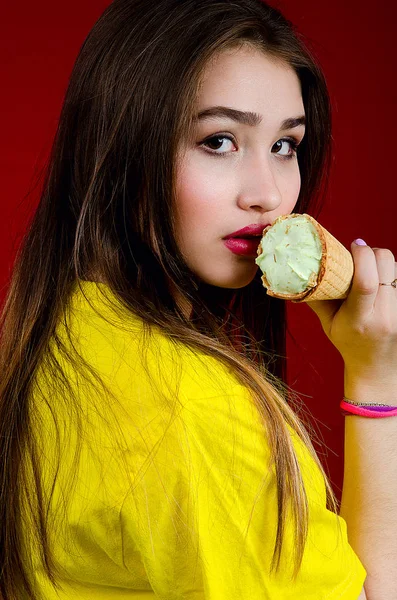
359,242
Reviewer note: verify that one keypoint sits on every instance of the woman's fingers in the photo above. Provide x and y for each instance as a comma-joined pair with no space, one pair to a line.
365,286
369,305
364,329
386,298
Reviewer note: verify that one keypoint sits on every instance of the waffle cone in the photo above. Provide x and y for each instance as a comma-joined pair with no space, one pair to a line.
336,270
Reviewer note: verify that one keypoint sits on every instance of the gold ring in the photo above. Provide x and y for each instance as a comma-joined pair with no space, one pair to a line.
393,283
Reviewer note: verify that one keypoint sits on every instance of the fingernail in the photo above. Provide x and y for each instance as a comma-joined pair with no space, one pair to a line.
359,242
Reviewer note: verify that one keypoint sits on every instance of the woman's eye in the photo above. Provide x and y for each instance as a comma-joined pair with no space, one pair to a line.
216,142
219,142
293,145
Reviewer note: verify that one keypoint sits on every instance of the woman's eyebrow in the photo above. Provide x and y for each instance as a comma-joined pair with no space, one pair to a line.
245,117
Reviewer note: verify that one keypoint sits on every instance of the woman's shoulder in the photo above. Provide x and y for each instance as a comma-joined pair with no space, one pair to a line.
153,377
115,339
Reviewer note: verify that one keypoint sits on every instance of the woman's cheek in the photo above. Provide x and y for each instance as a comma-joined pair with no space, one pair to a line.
291,191
201,191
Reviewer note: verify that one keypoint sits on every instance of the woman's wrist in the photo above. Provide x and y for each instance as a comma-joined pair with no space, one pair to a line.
367,390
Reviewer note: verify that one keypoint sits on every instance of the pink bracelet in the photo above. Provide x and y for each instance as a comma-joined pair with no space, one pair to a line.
367,410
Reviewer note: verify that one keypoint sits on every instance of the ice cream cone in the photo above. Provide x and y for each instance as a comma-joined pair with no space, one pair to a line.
335,274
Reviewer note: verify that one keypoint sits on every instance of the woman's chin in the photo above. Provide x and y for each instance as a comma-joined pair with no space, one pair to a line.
234,281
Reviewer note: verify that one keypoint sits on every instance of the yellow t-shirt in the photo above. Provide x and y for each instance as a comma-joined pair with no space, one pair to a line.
171,494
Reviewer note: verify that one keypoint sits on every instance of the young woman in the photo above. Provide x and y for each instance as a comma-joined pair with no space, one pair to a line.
149,444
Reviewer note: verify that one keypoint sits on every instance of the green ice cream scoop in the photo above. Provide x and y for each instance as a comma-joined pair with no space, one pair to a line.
302,261
290,255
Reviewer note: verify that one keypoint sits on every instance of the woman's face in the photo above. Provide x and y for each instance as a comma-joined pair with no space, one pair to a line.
237,172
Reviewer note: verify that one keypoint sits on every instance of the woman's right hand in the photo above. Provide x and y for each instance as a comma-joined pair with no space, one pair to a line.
363,327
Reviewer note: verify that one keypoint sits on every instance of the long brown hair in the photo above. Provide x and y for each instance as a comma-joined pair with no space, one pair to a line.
106,206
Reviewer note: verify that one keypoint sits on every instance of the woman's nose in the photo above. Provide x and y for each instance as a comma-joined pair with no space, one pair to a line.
259,187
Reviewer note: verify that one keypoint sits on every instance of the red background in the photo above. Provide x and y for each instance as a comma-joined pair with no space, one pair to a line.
355,43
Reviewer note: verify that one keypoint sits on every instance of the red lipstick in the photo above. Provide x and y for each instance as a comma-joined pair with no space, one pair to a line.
253,230
245,241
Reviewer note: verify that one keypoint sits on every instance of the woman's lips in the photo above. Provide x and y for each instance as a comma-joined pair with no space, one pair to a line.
245,241
243,246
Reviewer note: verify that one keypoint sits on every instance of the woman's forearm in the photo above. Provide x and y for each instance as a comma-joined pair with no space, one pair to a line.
369,498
